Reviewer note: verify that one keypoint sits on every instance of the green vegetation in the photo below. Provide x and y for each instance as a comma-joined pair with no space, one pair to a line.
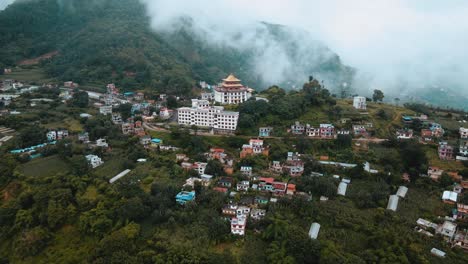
100,42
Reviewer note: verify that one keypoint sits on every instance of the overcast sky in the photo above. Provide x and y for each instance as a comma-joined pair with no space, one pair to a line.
419,42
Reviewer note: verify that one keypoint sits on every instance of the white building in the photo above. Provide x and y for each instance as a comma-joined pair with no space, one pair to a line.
231,91
359,103
116,118
238,225
447,229
102,143
94,161
105,110
463,133
464,147
246,171
203,115
200,167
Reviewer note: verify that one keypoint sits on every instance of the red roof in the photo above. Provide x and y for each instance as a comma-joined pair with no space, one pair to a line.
267,180
292,187
220,189
217,150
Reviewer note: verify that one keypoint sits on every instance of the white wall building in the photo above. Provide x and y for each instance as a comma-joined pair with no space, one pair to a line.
231,91
201,114
238,225
463,133
94,161
360,103
105,110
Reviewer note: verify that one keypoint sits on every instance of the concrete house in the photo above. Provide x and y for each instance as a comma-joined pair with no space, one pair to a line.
94,161
360,103
446,152
184,197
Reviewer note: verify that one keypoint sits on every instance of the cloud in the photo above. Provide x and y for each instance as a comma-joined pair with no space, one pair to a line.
394,44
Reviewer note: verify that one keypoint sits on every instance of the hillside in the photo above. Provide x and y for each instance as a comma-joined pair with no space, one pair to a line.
111,41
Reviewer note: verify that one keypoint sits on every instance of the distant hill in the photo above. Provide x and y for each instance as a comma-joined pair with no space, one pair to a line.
111,41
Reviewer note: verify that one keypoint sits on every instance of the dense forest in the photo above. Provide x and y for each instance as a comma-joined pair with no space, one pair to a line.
112,41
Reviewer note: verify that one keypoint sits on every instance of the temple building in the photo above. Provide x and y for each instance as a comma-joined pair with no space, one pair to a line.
231,91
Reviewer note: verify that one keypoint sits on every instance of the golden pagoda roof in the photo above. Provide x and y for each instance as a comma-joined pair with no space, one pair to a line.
231,78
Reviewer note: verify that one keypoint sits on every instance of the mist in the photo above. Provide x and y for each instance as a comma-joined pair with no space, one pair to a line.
397,46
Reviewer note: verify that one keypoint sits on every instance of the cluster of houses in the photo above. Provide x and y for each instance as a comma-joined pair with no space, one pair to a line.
328,131
54,135
449,230
293,166
448,152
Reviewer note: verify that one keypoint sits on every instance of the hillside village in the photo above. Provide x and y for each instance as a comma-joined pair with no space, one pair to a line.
129,137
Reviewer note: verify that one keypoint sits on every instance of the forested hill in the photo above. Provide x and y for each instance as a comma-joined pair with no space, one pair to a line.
112,41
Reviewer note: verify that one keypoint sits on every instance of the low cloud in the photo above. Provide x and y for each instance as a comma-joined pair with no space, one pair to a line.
399,46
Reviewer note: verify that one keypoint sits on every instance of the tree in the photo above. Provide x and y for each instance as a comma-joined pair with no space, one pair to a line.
215,168
80,99
32,241
344,141
378,96
172,102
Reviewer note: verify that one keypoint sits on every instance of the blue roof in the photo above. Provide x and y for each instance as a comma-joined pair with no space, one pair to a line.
128,93
156,140
184,197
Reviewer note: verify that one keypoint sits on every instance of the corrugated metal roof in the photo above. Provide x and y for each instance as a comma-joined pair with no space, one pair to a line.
118,176
392,203
402,190
314,230
342,188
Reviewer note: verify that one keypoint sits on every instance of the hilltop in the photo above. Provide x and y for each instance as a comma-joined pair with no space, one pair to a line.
98,42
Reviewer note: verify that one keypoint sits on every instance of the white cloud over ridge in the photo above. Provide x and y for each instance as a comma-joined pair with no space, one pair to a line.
394,44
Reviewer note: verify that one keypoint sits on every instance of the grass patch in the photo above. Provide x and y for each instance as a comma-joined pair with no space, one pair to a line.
447,165
34,74
43,167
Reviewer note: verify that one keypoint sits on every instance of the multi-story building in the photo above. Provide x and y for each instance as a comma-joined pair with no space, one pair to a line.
231,91
312,131
446,152
128,128
199,167
246,171
276,167
105,110
327,131
404,133
238,225
255,147
463,133
243,186
298,128
359,130
57,135
359,102
437,130
265,131
116,118
464,147
294,166
203,115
